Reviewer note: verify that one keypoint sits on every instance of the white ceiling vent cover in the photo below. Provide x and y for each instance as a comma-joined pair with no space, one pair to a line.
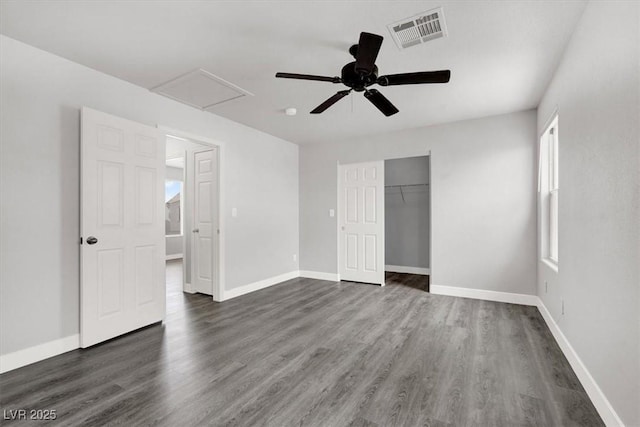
418,29
200,89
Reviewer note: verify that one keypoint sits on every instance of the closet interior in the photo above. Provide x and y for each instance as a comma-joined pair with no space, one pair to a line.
408,215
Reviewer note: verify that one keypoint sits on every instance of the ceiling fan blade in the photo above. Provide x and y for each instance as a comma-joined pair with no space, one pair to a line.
381,103
368,48
329,102
309,77
441,76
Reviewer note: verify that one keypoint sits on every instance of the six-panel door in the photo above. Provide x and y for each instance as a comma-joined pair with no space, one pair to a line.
122,216
205,219
361,222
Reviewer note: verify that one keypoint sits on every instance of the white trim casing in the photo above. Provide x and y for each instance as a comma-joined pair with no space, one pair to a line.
27,356
598,398
482,294
318,275
260,284
409,270
188,288
173,256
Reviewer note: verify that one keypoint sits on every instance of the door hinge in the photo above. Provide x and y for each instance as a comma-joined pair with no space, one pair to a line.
80,240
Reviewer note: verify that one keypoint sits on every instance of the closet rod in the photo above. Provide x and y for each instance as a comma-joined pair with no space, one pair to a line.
406,185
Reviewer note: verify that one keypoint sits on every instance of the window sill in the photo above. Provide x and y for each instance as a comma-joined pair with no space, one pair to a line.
551,264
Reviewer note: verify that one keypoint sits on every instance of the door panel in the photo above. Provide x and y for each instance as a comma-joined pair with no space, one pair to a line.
362,222
145,256
110,281
145,196
122,193
370,205
351,252
110,194
370,253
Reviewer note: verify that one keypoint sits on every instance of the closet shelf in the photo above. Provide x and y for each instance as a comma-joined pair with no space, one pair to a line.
405,185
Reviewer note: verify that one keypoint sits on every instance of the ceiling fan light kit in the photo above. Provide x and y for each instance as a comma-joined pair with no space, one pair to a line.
363,72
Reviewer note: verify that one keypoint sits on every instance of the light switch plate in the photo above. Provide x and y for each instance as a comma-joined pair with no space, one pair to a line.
234,212
332,213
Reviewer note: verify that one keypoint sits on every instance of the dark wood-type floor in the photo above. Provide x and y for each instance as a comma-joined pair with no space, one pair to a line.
310,352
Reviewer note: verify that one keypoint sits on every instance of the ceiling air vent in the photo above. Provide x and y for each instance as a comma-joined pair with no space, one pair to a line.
200,89
418,29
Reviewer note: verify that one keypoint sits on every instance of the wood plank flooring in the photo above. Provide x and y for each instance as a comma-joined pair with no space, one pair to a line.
317,353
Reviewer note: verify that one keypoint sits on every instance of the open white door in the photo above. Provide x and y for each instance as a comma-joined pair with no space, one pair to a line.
205,219
122,226
361,222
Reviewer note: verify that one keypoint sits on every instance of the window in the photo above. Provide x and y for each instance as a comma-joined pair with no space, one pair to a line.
172,199
549,187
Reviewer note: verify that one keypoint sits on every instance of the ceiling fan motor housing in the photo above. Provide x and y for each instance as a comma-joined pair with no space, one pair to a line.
358,81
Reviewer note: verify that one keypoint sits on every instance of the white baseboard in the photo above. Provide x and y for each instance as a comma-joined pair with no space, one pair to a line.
255,286
507,297
173,256
333,277
599,400
404,269
27,356
188,288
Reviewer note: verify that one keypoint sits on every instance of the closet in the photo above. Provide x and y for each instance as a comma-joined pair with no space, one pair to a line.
407,215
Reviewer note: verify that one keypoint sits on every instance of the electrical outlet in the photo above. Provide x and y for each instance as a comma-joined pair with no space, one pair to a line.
563,307
295,257
546,288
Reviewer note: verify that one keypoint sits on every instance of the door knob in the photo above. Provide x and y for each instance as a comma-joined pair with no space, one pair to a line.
196,230
91,240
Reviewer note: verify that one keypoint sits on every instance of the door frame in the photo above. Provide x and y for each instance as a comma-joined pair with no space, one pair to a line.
427,153
219,258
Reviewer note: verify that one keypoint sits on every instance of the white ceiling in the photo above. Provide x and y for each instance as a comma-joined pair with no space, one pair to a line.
501,54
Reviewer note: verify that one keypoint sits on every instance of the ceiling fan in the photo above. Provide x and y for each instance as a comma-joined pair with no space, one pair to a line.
363,72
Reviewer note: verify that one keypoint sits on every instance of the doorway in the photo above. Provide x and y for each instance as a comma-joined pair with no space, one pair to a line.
384,222
191,216
408,221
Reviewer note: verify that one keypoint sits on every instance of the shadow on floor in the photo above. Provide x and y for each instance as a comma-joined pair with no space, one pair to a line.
415,281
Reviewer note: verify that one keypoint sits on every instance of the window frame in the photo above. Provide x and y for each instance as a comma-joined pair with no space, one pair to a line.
549,188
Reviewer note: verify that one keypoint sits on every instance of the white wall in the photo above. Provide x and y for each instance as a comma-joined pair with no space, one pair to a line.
40,99
596,91
174,245
174,173
482,195
406,213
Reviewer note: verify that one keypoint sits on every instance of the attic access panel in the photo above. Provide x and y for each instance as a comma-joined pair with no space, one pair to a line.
200,89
